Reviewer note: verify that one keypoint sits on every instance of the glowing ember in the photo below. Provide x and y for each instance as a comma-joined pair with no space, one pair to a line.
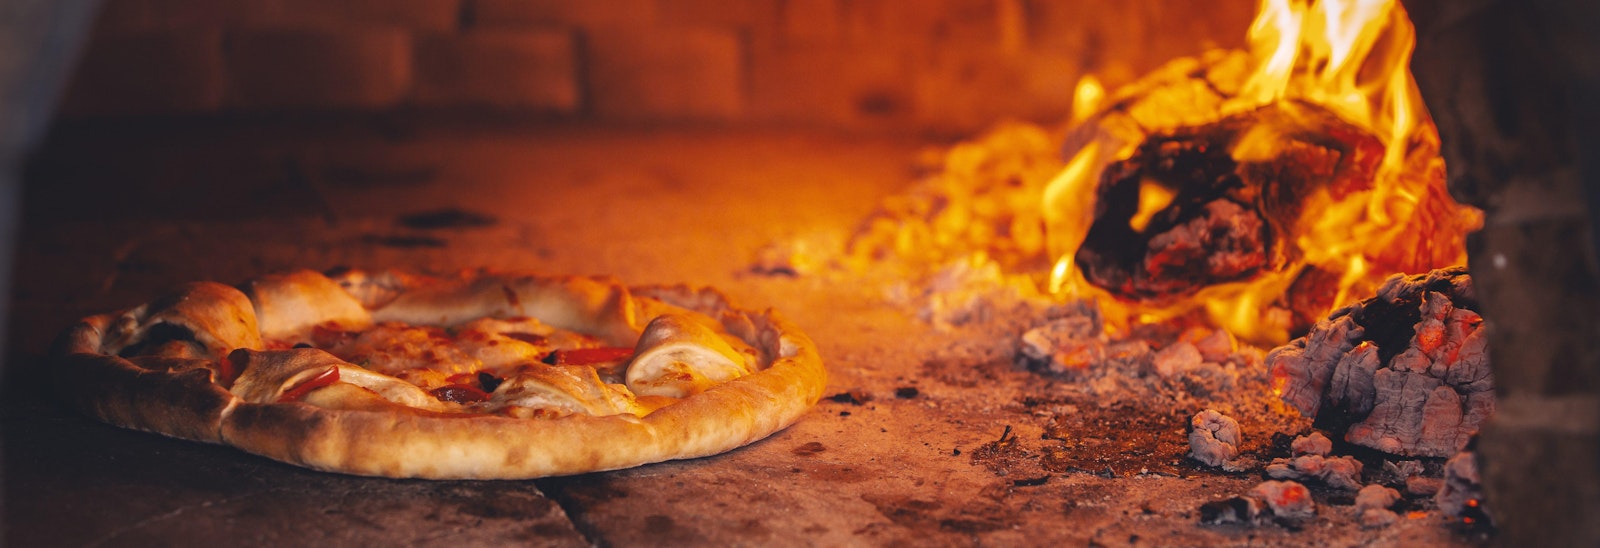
1326,92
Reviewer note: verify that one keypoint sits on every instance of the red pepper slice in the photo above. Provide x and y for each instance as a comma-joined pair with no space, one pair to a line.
226,372
460,393
322,379
588,356
329,335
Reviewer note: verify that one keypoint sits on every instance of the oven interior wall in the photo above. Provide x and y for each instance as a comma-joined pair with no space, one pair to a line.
952,66
1513,86
1509,85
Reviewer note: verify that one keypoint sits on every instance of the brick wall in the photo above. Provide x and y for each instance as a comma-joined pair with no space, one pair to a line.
1512,86
932,64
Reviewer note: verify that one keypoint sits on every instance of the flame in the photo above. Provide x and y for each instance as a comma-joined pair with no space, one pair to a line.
1350,58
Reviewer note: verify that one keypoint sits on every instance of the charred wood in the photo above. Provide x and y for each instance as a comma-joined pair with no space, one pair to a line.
1183,212
1405,372
1213,438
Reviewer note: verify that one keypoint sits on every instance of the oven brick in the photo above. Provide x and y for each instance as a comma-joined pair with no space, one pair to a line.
812,86
1538,459
424,15
358,68
149,72
583,13
741,14
665,73
521,70
803,22
919,26
432,15
955,92
145,15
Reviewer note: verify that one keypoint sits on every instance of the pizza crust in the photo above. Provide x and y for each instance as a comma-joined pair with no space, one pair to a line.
289,306
370,435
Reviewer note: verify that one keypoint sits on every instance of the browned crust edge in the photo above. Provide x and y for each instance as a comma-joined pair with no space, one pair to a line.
184,404
403,442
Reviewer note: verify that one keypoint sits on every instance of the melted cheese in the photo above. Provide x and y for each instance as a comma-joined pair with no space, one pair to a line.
677,356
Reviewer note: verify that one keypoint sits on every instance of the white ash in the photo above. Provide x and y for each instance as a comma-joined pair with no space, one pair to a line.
975,290
1376,518
1216,346
1201,365
1335,472
1176,358
1421,486
1160,371
1373,506
1461,494
1286,499
1065,344
1213,438
1313,444
1428,399
1376,496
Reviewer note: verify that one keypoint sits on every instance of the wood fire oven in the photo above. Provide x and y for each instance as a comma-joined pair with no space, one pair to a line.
1084,273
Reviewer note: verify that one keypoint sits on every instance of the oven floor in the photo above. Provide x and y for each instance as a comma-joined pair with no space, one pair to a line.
113,218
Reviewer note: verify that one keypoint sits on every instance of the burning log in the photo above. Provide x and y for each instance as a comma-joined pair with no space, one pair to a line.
1405,372
1220,202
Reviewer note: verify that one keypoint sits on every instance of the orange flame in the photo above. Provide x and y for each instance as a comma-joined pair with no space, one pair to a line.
1349,57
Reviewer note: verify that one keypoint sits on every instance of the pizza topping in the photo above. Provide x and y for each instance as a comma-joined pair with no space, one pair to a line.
396,349
330,335
397,390
493,365
287,375
265,376
561,390
459,393
487,381
226,371
678,357
587,356
530,338
325,378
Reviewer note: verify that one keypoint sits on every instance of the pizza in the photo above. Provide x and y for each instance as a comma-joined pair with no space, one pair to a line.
481,375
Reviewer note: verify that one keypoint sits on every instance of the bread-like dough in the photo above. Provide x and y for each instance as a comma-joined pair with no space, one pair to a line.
372,424
678,357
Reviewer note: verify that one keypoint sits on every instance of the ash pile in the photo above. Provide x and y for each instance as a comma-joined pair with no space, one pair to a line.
1371,413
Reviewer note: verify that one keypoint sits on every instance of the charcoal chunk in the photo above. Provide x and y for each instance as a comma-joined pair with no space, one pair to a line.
1405,372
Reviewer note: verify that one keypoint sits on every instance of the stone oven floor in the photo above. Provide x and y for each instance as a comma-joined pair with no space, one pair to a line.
114,218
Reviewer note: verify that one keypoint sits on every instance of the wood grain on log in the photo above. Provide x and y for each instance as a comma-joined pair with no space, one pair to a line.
1405,372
